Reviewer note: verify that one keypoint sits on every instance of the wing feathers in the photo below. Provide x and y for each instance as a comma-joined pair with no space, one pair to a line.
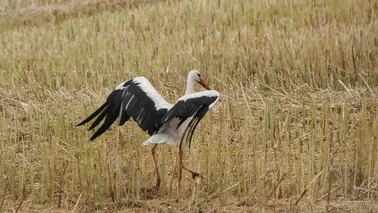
188,105
193,106
109,120
200,114
93,115
124,117
135,98
99,118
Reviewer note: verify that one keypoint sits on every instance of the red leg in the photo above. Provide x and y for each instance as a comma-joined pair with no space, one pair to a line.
194,174
157,187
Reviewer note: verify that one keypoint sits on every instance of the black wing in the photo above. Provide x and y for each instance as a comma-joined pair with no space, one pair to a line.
194,105
135,98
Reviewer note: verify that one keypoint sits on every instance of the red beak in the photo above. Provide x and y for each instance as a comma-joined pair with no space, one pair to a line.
204,84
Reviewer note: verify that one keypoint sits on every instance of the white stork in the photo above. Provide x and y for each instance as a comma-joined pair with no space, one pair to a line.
164,122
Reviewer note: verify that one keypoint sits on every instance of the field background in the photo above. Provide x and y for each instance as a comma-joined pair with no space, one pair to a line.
296,128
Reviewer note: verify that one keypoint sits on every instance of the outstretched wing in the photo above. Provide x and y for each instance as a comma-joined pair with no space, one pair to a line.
193,106
135,98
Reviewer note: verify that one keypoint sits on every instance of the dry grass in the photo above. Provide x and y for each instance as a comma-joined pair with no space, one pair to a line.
296,127
36,13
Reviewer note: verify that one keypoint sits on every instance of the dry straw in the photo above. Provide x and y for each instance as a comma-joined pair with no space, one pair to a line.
297,124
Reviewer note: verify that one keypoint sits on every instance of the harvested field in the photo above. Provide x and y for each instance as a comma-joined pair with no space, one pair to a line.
296,127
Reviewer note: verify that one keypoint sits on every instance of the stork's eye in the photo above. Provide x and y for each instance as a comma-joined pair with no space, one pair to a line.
199,75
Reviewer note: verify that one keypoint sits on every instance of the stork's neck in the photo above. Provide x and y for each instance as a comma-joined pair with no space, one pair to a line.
189,86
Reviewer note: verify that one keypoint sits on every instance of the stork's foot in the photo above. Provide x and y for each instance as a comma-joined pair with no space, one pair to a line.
195,174
157,187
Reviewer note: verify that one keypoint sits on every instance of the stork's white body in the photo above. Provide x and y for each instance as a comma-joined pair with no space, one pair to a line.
168,132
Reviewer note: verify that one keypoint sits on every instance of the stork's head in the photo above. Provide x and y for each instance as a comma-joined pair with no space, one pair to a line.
195,76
